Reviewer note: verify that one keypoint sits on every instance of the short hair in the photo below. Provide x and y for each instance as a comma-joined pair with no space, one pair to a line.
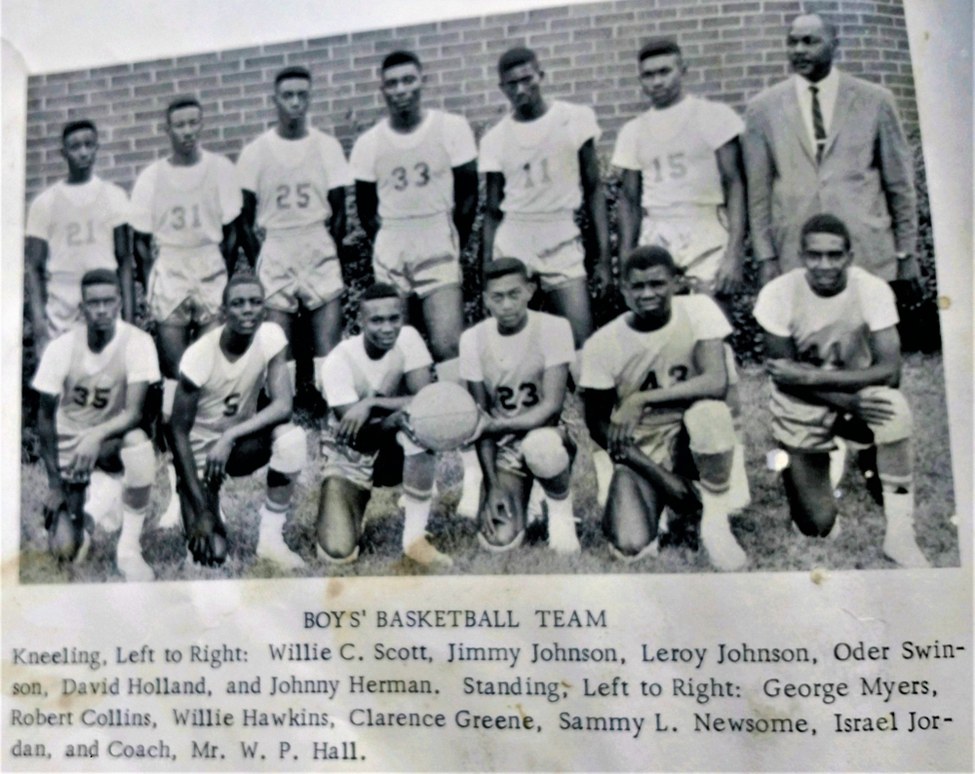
400,57
379,290
182,102
76,126
99,277
825,223
830,28
647,257
502,267
295,71
240,278
514,57
659,46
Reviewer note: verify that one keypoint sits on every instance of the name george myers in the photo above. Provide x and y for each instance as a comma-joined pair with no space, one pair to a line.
457,618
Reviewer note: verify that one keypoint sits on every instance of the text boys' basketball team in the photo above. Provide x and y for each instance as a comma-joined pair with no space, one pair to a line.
230,254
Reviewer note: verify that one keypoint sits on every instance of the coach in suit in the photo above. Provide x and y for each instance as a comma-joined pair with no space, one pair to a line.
823,141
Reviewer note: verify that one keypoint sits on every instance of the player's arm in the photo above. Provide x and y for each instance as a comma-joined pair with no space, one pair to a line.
142,250
594,200
247,227
229,243
465,200
48,436
730,165
760,171
338,220
90,442
185,404
630,213
554,381
493,215
35,258
367,207
896,163
122,236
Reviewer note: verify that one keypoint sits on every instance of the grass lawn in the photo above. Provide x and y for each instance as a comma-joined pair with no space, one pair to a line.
763,529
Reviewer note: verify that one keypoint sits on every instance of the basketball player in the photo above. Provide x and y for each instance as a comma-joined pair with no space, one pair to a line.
74,226
219,427
93,382
293,178
654,382
516,365
368,381
416,195
683,187
831,336
186,207
541,166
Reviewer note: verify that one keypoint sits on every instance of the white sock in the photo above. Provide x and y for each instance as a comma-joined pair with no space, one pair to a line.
128,553
293,375
470,493
319,365
270,537
562,536
719,541
536,499
900,543
168,396
604,475
837,463
416,514
171,516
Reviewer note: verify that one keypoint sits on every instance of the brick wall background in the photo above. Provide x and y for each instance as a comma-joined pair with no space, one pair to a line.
734,48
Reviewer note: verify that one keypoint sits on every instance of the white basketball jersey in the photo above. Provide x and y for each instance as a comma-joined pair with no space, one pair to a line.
292,178
540,159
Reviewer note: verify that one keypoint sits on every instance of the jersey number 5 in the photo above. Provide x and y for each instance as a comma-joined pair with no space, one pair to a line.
231,404
529,396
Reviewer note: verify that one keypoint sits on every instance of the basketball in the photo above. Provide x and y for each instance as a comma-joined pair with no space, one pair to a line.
443,416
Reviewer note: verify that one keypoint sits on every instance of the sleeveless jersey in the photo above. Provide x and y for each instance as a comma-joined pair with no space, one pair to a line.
540,159
228,390
414,172
292,178
512,368
829,332
186,206
617,356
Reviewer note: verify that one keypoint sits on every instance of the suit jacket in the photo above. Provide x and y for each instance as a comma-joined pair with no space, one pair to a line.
866,176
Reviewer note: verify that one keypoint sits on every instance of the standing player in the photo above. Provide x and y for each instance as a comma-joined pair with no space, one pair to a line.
541,166
294,178
831,336
93,382
187,206
417,170
516,365
682,172
77,225
369,381
654,382
220,429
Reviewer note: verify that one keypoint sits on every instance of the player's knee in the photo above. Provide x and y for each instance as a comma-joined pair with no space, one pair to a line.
138,461
812,506
898,427
506,536
289,450
545,453
134,437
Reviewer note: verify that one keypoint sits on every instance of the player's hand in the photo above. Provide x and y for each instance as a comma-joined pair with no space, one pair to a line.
727,279
909,272
602,276
768,271
207,539
624,419
85,457
790,373
872,409
621,452
216,462
352,422
483,427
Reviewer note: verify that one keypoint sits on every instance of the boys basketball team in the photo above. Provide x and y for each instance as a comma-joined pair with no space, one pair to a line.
230,254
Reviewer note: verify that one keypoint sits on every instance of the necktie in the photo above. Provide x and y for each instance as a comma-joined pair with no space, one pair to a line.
819,129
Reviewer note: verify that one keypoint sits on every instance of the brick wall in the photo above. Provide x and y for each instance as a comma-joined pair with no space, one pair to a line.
734,48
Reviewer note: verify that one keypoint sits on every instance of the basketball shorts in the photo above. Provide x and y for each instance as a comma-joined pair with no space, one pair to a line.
805,427
186,285
417,255
551,248
509,456
380,464
256,448
696,237
299,267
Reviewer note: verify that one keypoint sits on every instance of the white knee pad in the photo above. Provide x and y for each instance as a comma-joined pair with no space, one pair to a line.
898,427
409,448
710,427
139,465
545,454
289,450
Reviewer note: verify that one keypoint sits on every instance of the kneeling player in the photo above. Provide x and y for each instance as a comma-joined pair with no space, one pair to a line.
516,365
368,382
93,382
831,336
654,381
219,430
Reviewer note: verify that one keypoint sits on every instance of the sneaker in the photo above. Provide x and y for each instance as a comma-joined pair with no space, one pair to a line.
133,567
900,545
171,517
470,501
422,552
562,537
721,545
271,546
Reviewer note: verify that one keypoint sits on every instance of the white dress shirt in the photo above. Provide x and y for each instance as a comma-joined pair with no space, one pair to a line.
828,88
